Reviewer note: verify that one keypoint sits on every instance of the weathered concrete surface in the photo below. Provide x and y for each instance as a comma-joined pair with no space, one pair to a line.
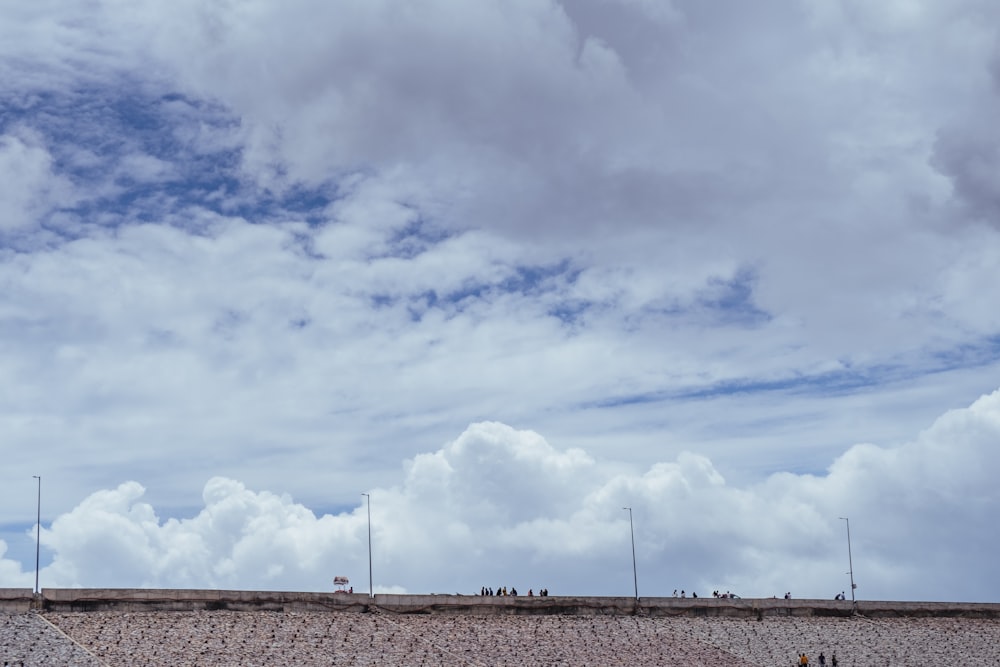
761,607
105,599
16,599
654,607
162,599
500,605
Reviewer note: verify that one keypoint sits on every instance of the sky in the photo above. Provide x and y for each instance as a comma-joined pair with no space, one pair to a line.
508,267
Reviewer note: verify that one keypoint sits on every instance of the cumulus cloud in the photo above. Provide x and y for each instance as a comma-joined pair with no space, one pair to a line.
240,536
11,573
498,506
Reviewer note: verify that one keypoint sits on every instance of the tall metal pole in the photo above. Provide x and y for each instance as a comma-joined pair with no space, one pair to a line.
635,577
371,592
850,560
38,531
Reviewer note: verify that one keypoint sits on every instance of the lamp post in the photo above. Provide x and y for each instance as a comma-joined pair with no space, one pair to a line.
631,529
850,560
38,531
371,592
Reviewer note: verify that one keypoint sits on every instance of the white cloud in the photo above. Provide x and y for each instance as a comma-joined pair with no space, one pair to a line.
29,189
524,118
498,506
240,536
11,573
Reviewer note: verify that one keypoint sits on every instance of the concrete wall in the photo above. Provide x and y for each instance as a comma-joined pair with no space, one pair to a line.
16,599
500,605
94,599
152,599
664,607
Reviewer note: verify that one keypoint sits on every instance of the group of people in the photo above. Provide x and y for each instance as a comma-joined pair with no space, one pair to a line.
503,590
804,660
727,595
715,594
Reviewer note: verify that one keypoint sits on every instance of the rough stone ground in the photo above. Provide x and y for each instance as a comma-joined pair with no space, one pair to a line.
336,638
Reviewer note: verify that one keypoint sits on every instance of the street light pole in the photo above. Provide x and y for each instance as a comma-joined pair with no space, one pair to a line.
371,592
631,529
38,531
850,560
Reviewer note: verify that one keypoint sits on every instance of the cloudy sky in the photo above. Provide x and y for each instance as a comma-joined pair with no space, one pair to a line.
507,266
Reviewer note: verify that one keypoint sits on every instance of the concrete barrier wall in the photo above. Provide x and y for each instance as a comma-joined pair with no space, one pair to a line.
16,599
111,599
500,605
151,599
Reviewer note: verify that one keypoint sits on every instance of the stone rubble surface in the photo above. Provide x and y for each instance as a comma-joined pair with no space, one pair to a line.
212,638
857,641
29,639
